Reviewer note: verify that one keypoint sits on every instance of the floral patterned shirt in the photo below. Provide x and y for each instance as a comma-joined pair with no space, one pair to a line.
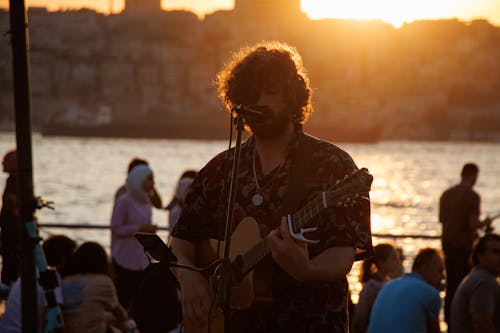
297,307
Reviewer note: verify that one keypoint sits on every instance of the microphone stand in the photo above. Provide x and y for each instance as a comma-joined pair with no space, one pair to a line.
223,292
223,272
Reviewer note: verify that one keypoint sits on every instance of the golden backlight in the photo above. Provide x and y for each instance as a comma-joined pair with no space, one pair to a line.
395,12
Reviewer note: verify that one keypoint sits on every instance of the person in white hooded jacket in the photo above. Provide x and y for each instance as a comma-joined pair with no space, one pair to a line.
132,213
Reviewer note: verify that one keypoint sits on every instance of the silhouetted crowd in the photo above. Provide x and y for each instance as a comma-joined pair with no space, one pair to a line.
102,294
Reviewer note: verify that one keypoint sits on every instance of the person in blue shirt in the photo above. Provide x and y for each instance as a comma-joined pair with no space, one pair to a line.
411,303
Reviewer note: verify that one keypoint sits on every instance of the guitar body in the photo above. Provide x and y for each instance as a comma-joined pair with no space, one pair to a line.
245,236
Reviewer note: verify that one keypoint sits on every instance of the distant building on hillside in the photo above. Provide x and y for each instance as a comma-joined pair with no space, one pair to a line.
268,8
142,5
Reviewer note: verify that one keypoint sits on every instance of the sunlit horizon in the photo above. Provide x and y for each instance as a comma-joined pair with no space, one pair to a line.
395,12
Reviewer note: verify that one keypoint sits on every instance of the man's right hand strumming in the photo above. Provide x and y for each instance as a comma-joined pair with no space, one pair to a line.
196,296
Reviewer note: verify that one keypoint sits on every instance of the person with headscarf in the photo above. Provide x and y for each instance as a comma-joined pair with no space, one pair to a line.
152,194
132,213
175,206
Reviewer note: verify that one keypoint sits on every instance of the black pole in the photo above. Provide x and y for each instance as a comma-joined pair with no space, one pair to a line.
27,202
223,296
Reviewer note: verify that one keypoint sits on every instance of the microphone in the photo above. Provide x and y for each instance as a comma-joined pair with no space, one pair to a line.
243,110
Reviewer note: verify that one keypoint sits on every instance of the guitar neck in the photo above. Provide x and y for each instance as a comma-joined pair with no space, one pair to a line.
303,216
300,218
253,256
346,191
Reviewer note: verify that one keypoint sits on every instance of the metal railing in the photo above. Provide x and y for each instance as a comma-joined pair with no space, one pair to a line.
97,226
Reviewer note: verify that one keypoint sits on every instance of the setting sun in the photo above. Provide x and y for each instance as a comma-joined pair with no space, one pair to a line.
395,12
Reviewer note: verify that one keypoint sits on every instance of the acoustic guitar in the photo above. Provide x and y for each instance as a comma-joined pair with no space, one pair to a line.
248,248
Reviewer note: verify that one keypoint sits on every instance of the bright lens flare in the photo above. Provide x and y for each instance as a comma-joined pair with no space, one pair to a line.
395,12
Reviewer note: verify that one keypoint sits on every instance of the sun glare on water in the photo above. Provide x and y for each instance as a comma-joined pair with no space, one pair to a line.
395,12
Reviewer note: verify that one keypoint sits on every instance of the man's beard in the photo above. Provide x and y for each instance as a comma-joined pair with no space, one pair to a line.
273,125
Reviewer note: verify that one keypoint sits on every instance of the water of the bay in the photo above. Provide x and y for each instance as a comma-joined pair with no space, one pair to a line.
81,176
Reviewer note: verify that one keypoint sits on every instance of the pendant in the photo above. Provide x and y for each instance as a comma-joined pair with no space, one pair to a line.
257,199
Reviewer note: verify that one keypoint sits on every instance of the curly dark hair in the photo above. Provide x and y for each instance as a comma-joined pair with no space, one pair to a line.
266,66
89,258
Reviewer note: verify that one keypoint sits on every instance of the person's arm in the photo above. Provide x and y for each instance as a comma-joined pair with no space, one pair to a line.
118,217
482,323
332,264
363,309
482,305
155,198
196,294
474,219
476,223
432,307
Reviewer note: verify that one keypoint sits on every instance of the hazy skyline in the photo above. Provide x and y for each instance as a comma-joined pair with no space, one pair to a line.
395,12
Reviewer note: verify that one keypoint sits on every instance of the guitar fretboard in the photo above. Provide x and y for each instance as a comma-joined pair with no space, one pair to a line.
345,192
300,218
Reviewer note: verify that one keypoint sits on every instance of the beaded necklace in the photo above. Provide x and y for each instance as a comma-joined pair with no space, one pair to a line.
258,198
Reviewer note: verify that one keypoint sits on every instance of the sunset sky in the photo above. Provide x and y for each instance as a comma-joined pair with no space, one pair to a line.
392,11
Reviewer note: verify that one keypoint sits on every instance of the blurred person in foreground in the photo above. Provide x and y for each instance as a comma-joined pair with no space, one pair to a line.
90,301
57,250
385,265
307,282
132,213
9,224
476,304
411,303
459,211
153,195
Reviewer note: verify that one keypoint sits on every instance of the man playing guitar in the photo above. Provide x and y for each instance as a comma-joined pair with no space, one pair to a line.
306,281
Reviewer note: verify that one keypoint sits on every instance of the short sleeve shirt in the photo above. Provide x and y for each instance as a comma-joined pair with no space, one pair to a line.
363,309
405,304
457,204
479,292
299,307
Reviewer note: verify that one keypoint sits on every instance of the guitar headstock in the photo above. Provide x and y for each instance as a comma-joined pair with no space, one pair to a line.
346,192
350,189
